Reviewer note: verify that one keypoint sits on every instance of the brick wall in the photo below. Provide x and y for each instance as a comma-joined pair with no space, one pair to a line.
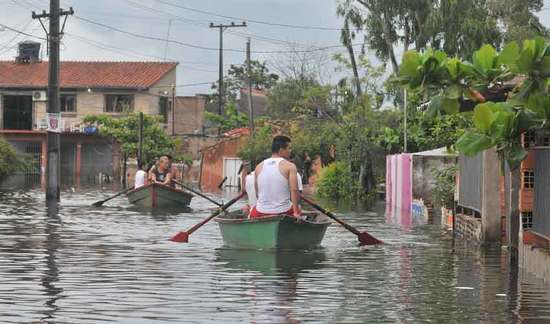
468,227
188,115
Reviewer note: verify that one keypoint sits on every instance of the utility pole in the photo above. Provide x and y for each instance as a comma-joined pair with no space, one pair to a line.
140,141
54,117
173,110
250,106
222,28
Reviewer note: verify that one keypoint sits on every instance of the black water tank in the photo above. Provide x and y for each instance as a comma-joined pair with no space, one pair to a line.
29,51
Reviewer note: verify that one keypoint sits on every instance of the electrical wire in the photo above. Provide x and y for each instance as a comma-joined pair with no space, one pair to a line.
199,46
246,19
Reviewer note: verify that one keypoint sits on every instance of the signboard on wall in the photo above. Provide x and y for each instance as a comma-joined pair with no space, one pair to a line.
54,122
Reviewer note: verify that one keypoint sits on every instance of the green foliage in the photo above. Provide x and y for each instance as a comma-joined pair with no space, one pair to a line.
336,182
258,147
445,183
237,79
497,125
230,119
8,159
125,131
285,95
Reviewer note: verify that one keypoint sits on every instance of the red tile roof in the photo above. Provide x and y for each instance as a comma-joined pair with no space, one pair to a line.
133,75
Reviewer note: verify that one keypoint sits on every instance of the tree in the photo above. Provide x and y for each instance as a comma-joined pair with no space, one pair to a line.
230,119
237,79
284,96
456,27
8,159
124,130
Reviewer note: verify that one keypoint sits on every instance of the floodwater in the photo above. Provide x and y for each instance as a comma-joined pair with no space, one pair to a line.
115,264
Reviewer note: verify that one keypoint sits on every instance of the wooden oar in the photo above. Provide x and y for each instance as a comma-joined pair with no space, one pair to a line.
101,202
363,237
183,237
198,193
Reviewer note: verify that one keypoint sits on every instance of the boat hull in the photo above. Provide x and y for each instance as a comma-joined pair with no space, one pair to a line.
159,196
272,232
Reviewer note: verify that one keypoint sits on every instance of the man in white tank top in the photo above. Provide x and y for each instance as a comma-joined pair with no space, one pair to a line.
276,182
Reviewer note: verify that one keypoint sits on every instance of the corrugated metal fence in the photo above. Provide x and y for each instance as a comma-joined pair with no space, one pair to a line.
541,212
471,181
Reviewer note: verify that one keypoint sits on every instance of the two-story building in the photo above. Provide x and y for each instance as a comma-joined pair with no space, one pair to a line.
113,88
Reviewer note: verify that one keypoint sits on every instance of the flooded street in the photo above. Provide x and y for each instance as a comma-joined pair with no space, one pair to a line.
115,264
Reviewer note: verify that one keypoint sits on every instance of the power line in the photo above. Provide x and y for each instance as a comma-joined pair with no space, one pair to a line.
199,46
127,52
21,32
246,19
203,24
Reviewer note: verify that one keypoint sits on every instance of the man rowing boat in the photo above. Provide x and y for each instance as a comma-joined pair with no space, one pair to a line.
276,182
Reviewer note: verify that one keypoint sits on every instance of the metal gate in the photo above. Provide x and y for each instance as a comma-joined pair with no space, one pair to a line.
231,168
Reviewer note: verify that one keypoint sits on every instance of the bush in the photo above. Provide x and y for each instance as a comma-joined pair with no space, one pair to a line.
336,182
443,193
8,159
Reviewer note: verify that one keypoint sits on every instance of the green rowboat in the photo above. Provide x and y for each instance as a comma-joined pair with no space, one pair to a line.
156,195
279,232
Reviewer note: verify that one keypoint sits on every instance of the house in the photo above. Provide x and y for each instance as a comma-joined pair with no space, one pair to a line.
112,88
220,163
259,102
484,211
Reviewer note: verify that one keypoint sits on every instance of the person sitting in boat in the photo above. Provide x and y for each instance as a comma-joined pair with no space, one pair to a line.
141,176
162,173
248,186
292,160
173,169
276,182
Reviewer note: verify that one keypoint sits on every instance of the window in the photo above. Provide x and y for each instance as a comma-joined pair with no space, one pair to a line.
527,219
529,139
163,108
119,103
546,140
67,103
528,179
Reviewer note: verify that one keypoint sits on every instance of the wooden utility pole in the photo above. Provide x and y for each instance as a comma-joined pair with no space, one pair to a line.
54,116
173,110
140,140
249,73
221,89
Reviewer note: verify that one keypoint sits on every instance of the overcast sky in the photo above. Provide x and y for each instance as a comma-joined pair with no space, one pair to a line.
86,41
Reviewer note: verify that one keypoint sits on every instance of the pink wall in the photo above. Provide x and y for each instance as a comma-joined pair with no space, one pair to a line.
399,188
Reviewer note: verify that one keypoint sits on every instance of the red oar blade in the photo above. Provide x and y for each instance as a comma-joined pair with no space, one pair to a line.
367,239
181,237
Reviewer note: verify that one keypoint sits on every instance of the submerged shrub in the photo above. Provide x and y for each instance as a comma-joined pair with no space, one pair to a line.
336,181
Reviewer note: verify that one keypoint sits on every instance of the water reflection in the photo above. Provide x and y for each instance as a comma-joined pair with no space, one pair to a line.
51,273
72,263
273,282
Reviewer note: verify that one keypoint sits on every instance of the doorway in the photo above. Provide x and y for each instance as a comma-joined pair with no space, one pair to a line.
231,171
17,112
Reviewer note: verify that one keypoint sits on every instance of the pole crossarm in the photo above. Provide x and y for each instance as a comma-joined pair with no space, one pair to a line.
222,28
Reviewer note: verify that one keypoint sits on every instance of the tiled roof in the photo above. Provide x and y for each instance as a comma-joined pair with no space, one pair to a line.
134,75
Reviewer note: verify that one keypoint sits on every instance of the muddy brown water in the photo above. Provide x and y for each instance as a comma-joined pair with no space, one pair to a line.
114,264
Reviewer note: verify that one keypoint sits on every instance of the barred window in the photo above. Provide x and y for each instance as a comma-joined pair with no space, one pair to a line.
528,179
529,139
527,219
546,140
164,107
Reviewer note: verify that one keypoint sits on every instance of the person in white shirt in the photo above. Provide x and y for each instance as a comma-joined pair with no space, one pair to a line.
141,177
